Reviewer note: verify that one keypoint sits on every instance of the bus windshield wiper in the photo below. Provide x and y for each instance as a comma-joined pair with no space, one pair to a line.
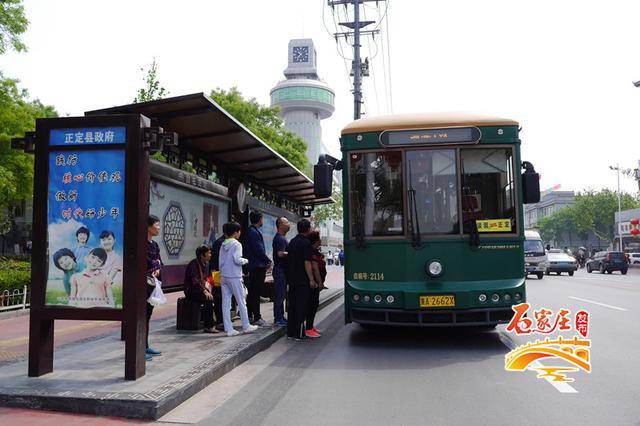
414,222
471,225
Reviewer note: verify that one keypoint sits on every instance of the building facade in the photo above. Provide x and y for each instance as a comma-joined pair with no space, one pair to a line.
303,98
623,224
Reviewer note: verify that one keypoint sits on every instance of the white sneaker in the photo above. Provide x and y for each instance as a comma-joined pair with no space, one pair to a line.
233,333
250,329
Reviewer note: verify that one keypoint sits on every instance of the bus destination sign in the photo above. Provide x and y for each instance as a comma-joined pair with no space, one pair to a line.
431,136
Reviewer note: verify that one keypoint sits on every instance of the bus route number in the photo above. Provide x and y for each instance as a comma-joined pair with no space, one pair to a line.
368,276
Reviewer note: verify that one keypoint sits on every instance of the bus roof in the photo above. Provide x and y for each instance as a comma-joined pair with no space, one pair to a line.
423,121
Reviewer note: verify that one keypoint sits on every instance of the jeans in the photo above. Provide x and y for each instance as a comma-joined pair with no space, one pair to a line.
233,287
256,282
280,284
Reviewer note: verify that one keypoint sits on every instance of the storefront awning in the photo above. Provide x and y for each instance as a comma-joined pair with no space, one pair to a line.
205,128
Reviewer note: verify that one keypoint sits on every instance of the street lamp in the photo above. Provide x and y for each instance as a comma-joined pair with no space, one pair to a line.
617,169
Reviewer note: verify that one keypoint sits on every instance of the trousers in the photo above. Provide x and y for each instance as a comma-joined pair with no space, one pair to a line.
256,282
297,308
314,302
233,287
207,307
280,284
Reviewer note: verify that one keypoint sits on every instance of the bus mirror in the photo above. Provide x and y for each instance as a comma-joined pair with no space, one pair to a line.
322,179
530,184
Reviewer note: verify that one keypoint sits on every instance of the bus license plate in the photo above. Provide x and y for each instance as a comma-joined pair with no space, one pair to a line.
437,301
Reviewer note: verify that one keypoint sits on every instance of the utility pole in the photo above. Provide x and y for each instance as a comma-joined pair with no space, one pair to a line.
358,68
617,169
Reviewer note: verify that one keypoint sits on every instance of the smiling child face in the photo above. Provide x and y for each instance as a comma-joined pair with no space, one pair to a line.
82,238
107,243
66,263
93,262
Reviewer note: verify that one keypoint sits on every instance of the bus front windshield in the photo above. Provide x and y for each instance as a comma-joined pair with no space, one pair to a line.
452,191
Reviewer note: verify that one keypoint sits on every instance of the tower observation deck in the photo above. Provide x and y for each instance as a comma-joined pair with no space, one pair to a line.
303,98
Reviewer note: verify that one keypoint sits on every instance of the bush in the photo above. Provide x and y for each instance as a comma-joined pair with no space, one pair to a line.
14,274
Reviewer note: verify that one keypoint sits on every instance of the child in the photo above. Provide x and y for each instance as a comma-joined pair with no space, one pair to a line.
231,262
65,260
91,287
82,249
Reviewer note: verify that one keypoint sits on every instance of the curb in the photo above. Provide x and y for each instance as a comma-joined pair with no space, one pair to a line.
153,404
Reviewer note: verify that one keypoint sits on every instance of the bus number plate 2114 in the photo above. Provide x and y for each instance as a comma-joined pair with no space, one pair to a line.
439,301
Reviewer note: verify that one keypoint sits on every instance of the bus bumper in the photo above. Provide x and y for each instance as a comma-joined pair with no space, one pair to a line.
435,318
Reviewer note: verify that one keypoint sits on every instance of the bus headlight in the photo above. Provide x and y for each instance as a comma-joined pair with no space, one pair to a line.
495,297
377,298
482,298
390,299
366,298
507,297
517,296
434,268
356,297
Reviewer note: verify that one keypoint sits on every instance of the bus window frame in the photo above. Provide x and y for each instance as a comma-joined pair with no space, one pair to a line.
405,235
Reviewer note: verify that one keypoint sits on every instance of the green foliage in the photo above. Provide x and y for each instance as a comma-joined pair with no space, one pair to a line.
14,274
593,211
326,212
265,123
17,115
12,24
152,89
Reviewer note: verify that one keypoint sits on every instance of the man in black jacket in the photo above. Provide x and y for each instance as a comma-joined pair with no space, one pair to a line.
258,265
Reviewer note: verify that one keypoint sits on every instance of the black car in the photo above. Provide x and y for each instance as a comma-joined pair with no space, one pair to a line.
608,261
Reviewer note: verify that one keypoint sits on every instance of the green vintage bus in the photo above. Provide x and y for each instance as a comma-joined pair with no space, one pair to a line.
433,219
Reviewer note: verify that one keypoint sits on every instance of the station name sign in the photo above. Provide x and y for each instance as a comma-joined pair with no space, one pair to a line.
457,135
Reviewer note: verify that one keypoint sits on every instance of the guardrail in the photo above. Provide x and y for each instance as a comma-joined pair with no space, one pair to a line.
15,299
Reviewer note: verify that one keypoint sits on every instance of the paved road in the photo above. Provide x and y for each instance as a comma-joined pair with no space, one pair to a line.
406,376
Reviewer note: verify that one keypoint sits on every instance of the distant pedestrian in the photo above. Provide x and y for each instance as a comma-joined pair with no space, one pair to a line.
258,265
341,257
300,279
196,287
329,258
319,274
154,264
279,245
231,262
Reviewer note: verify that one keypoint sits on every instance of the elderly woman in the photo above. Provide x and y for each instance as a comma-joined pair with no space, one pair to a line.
196,288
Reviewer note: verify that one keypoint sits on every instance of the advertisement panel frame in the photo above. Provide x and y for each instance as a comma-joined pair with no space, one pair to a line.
136,202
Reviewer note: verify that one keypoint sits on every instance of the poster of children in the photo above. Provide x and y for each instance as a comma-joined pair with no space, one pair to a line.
85,228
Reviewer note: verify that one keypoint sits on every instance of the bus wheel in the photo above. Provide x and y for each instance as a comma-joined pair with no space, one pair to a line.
540,275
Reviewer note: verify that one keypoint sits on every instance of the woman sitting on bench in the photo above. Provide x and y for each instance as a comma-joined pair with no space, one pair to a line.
196,288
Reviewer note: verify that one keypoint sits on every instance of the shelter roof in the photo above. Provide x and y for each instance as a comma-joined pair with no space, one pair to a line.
206,129
423,121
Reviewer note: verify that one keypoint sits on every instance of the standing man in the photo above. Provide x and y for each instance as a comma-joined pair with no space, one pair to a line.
300,279
258,264
279,267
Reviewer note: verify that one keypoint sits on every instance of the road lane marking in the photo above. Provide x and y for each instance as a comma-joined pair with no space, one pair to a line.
598,303
562,387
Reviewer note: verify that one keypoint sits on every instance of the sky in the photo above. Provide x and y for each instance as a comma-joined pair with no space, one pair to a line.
562,69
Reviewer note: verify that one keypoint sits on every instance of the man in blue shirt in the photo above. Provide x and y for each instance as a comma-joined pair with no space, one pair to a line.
279,265
258,264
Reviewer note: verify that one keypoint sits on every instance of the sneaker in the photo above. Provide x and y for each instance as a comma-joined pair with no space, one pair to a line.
250,329
264,299
312,334
211,330
233,333
297,339
153,352
317,331
260,323
281,323
148,357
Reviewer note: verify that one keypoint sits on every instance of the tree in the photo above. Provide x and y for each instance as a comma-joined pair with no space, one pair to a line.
152,89
265,123
12,24
325,212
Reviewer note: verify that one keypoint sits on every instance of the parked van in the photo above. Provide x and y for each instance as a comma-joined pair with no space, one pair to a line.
535,257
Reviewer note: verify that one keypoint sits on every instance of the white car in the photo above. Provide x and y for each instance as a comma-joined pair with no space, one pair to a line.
634,259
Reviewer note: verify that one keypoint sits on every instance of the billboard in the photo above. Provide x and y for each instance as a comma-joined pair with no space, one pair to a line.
85,219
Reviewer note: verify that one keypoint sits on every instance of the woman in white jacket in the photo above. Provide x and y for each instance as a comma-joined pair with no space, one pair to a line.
231,262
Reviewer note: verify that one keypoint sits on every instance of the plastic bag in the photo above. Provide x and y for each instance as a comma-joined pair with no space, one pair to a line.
157,296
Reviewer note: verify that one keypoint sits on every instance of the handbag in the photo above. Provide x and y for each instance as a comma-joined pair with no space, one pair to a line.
216,278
